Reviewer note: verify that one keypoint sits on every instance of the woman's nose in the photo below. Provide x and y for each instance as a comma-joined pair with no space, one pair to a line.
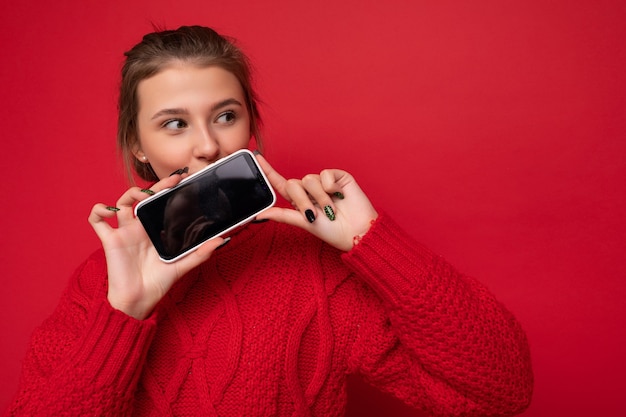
206,145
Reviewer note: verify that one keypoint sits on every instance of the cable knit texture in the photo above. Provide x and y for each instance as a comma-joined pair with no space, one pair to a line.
271,325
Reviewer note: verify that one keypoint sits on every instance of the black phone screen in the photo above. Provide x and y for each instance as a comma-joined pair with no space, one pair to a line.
213,201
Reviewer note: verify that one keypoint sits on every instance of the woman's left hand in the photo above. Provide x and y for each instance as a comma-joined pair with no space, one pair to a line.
330,205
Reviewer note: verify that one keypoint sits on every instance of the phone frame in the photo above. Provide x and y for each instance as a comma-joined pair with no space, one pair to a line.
192,178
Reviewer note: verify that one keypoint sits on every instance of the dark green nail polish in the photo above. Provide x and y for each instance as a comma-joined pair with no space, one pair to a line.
339,195
149,192
111,208
180,171
329,213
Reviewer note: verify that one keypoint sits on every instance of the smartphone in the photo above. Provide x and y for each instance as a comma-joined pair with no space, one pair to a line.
209,203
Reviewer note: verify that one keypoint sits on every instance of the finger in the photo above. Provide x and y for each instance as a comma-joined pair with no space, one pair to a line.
200,255
278,182
314,188
127,201
334,180
285,215
300,199
97,218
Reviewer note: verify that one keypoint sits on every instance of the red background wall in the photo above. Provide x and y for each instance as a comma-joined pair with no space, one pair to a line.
494,131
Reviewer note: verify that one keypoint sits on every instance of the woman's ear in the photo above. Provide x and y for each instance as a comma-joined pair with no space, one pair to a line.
141,157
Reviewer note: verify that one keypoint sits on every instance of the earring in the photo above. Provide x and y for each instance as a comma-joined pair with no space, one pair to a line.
144,158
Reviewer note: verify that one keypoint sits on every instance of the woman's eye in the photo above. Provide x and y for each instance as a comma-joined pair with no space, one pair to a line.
227,117
175,124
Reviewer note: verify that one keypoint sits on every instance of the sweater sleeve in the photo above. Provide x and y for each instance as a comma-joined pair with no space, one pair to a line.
86,358
446,345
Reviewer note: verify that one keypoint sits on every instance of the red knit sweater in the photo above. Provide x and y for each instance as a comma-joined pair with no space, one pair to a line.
271,325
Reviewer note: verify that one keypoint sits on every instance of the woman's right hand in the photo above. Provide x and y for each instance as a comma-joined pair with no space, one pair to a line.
137,278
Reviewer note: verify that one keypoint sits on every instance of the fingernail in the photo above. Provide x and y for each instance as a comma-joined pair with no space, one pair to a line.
310,216
339,195
111,208
260,220
147,191
180,171
226,240
329,213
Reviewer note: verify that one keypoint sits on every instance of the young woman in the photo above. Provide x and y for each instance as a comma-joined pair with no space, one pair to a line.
272,323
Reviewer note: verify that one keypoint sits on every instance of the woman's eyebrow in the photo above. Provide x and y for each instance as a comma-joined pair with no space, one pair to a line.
224,103
183,111
169,112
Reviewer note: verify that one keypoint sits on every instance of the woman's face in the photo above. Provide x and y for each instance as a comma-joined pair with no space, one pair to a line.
190,117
